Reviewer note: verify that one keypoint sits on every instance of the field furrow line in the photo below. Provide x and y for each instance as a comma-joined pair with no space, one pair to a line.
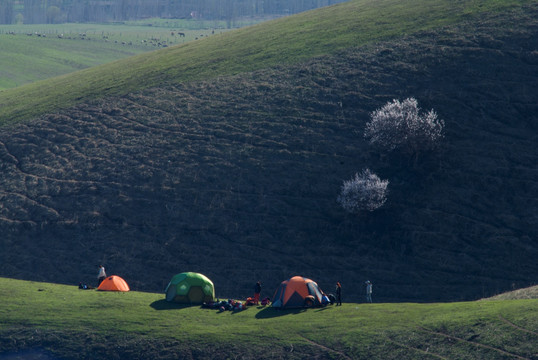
326,348
437,356
516,326
474,343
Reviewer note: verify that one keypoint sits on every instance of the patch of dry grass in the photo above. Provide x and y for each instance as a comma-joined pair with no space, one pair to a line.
526,293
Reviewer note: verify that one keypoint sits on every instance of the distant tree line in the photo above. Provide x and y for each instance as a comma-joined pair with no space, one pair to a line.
61,11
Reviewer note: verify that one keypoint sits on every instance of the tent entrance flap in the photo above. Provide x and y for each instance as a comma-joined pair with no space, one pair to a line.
295,300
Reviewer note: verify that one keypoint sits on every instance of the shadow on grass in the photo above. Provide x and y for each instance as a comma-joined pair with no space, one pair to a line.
167,305
272,312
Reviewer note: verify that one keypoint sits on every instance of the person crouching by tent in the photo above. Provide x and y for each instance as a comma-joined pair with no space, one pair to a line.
101,275
257,291
338,294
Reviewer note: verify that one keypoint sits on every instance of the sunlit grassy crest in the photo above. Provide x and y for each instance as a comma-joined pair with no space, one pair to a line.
353,330
283,41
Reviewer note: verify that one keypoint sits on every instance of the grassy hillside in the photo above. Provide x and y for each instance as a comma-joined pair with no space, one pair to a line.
284,41
71,323
237,176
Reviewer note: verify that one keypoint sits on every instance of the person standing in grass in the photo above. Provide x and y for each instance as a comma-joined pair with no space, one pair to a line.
257,291
338,294
101,275
368,291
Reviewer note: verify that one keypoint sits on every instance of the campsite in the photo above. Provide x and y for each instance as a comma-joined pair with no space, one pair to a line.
193,170
134,324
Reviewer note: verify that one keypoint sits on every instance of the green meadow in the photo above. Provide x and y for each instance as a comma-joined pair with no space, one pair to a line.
37,52
67,321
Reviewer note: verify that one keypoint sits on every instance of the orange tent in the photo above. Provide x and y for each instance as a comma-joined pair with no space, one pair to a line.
294,292
113,283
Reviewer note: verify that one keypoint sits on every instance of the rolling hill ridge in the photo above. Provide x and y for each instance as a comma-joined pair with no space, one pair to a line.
235,174
284,41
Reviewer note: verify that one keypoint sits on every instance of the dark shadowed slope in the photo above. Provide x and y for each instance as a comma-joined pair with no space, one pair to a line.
237,177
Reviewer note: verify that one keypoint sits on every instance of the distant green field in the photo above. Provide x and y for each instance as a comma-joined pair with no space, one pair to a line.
69,321
135,32
36,52
191,24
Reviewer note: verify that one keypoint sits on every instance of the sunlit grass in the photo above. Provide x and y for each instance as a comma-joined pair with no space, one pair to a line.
37,52
350,329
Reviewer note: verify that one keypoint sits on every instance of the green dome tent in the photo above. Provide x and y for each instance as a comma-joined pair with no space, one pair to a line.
190,288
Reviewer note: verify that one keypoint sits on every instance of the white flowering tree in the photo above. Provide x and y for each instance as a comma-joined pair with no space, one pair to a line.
401,125
365,192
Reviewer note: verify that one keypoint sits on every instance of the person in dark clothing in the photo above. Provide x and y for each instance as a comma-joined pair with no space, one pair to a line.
257,291
338,294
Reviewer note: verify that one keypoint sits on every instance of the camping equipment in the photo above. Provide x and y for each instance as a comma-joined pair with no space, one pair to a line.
294,292
190,288
113,283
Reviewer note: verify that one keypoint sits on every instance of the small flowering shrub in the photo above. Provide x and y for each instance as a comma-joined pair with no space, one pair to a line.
365,192
400,125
